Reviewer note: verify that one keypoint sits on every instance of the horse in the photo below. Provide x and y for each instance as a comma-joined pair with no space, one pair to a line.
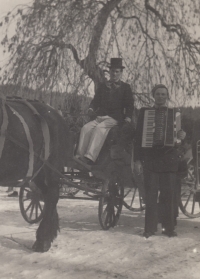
34,147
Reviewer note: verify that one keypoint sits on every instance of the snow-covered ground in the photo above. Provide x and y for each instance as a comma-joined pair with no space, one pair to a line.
84,250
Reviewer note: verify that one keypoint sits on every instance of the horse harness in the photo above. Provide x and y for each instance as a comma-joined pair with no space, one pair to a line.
30,175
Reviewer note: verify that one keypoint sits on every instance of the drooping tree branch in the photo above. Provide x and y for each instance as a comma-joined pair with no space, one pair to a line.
90,62
60,43
175,28
138,20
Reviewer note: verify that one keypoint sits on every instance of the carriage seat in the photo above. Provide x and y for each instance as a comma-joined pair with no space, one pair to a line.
118,139
121,136
119,143
113,136
116,153
111,139
113,156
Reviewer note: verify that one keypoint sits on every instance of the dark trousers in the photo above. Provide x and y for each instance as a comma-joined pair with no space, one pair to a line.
163,209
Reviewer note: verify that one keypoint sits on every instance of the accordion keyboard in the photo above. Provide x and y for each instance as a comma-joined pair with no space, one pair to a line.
161,123
160,127
148,128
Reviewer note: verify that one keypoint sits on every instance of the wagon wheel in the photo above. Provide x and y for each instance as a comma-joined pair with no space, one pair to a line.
31,203
132,199
110,204
190,195
134,196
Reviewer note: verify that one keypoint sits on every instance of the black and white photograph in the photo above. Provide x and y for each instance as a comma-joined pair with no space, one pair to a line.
100,139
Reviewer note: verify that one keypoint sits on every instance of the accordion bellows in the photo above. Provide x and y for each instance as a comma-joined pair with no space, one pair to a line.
160,127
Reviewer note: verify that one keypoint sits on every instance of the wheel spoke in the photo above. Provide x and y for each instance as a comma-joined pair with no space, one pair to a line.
127,193
30,204
31,213
133,197
26,199
39,206
193,204
36,211
187,200
105,211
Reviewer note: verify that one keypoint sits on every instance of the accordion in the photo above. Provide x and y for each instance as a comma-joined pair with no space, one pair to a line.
160,127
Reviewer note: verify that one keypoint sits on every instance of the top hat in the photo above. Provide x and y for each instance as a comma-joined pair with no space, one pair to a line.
116,63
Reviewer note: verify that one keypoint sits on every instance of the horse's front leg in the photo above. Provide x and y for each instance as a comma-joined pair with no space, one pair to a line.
49,226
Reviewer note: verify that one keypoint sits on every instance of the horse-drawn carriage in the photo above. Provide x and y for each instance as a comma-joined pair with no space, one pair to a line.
34,144
109,181
95,184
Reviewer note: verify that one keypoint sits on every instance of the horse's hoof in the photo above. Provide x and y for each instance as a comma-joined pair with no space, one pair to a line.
41,246
46,246
37,246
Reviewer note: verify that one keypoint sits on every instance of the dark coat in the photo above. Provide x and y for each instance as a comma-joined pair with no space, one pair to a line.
156,159
195,138
116,102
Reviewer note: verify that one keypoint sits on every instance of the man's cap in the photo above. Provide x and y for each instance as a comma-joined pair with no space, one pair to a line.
159,86
116,63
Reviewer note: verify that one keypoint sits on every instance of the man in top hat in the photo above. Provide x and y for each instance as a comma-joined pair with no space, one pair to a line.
112,105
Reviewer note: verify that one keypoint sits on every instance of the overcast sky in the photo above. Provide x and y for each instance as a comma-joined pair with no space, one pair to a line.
5,7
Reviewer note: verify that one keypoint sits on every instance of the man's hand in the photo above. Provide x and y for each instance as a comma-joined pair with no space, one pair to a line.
138,167
127,119
181,135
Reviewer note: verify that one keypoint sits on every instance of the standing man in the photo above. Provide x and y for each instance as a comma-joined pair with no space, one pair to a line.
112,105
160,166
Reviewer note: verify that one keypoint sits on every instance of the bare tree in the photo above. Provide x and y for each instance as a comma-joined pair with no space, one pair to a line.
66,44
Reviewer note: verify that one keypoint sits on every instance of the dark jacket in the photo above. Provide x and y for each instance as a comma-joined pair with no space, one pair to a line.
156,159
195,139
116,102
